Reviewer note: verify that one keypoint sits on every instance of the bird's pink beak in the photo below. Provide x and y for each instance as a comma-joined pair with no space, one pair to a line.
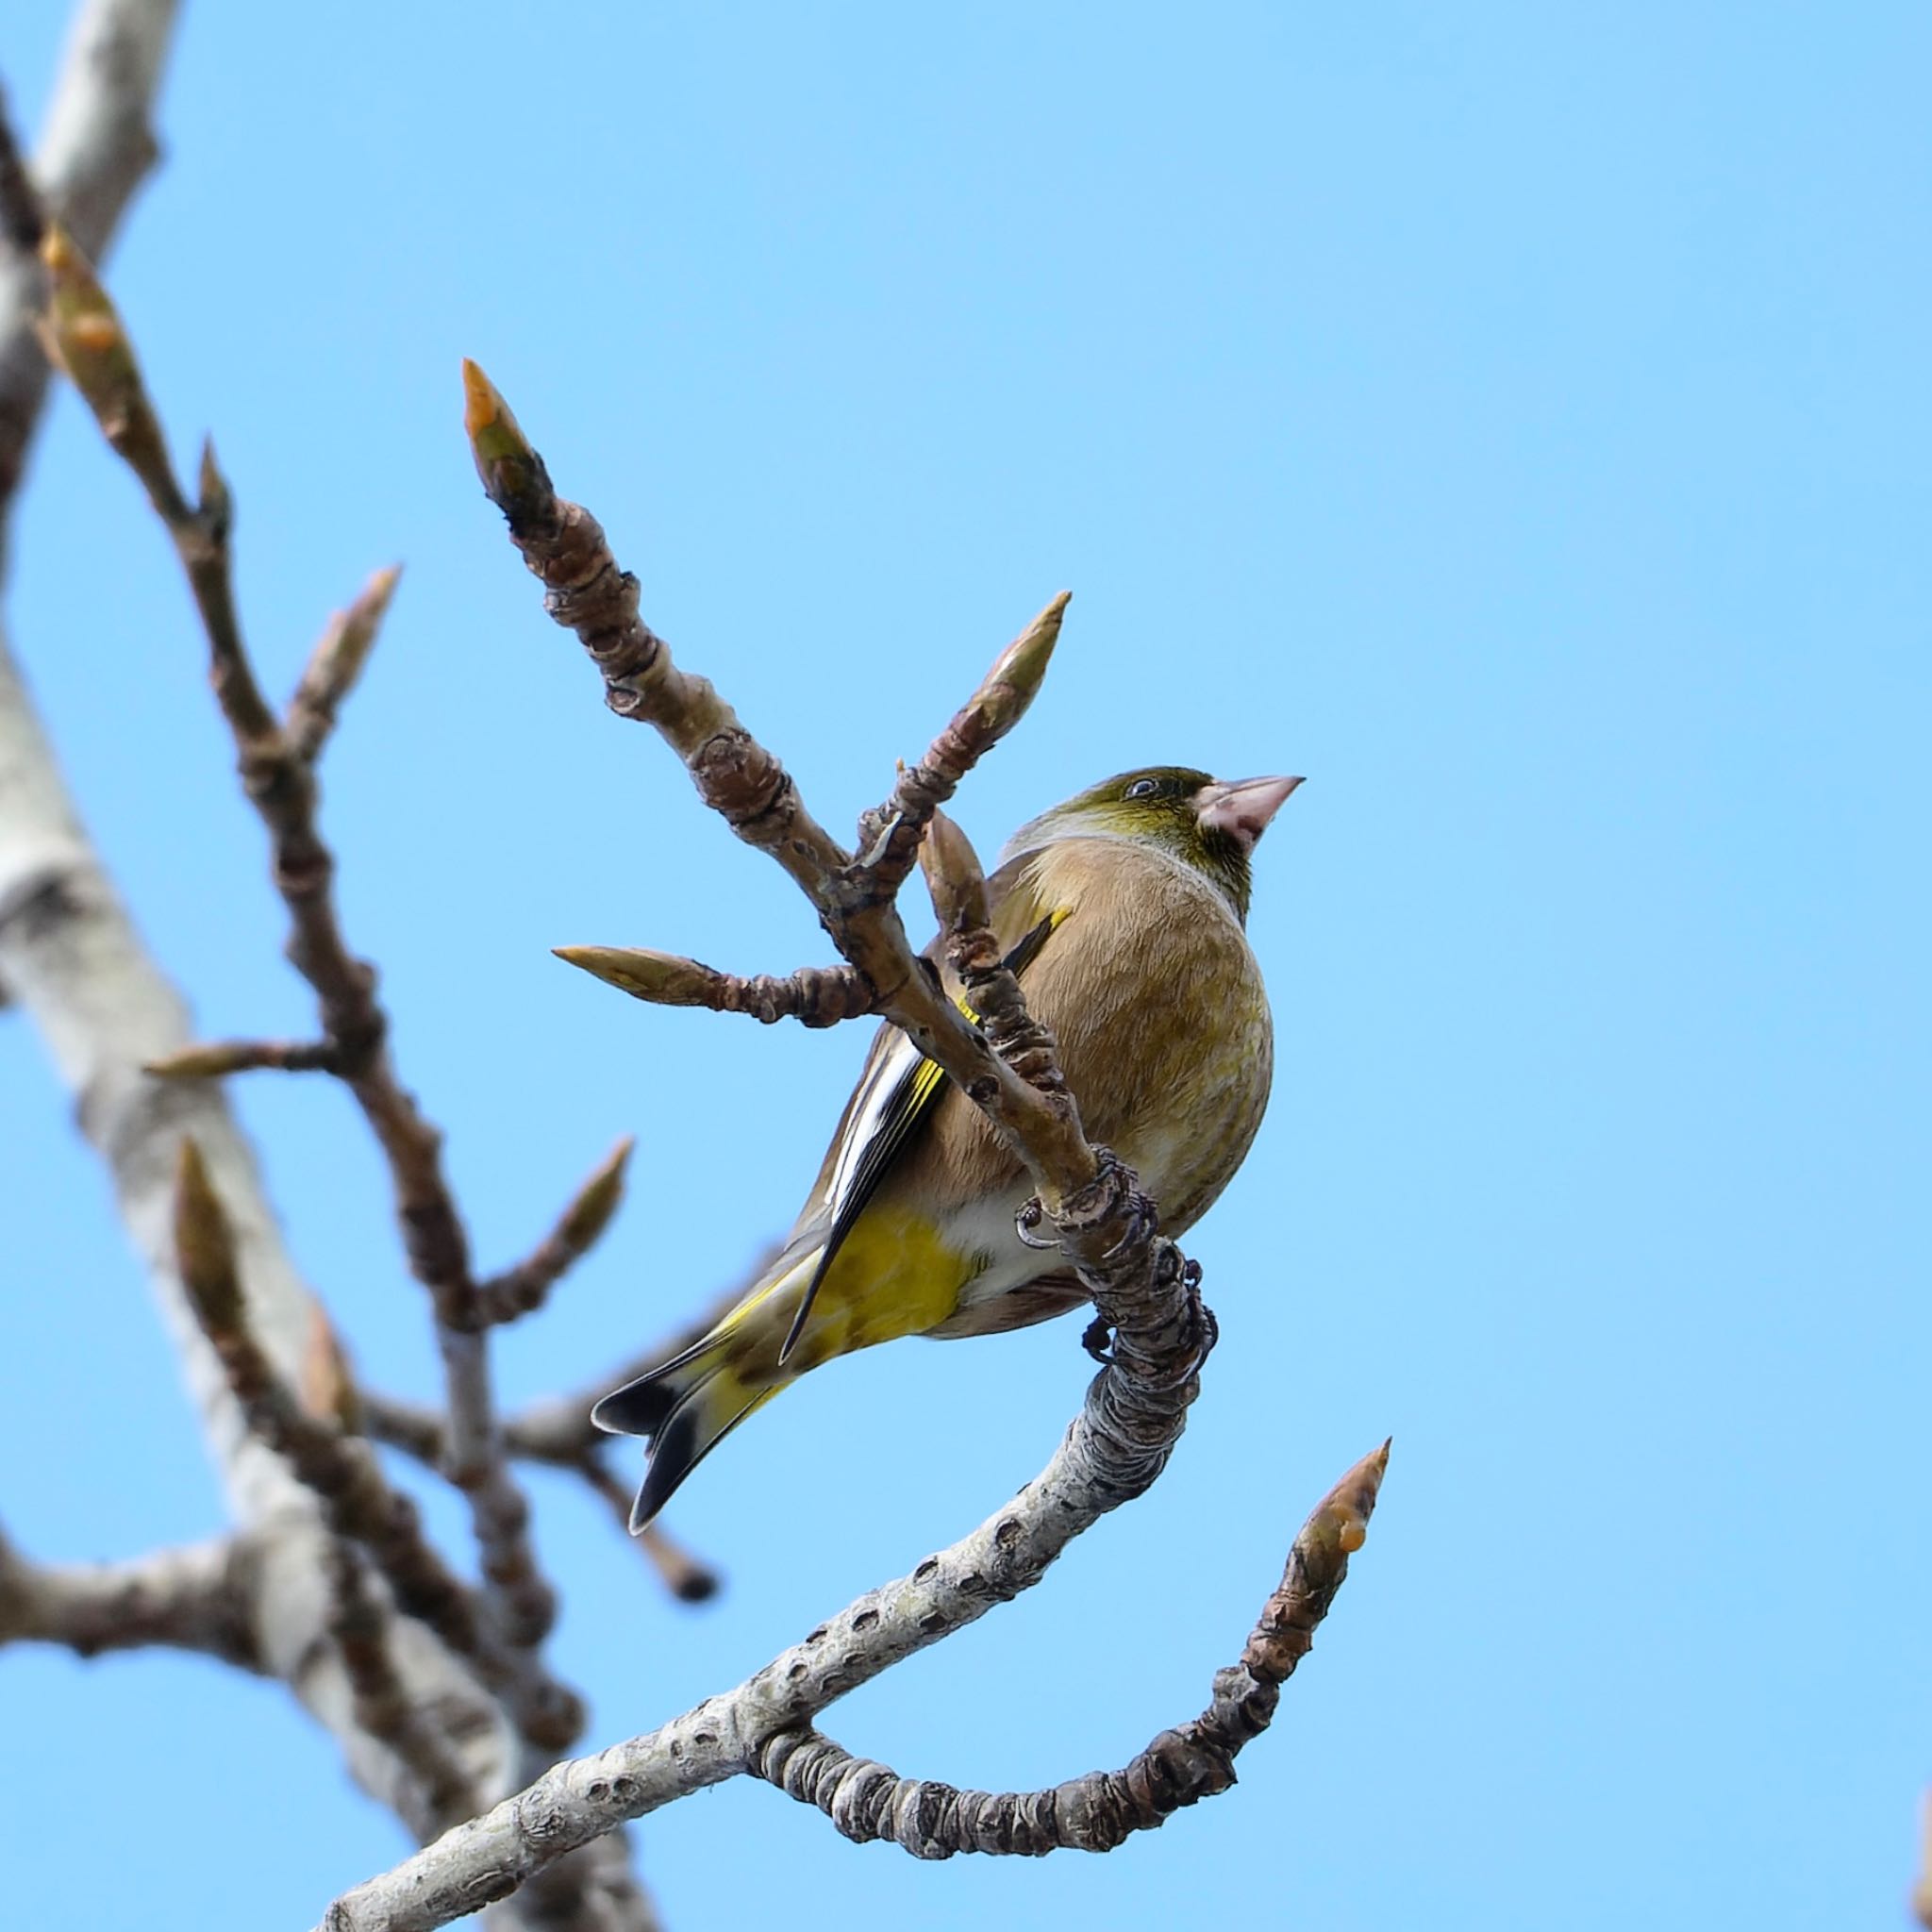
1244,807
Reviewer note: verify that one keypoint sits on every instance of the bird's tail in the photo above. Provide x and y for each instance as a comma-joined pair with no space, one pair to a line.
687,1406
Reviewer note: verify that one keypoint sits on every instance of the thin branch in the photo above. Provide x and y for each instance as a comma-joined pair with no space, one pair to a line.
210,1059
196,1598
76,968
417,1430
335,664
813,995
1096,1813
686,1577
362,1623
522,1290
889,834
489,1858
738,777
92,347
98,147
356,1502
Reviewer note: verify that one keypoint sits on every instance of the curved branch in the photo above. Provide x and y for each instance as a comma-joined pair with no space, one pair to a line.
762,1725
1095,1813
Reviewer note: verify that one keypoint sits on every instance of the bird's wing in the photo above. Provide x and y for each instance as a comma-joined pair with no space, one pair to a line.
894,1098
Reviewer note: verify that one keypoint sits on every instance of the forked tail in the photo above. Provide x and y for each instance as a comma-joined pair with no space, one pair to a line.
689,1405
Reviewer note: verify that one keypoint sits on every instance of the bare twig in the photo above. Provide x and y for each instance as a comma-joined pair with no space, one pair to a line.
97,149
210,1059
362,1622
688,1577
87,337
335,665
889,834
195,1598
343,1473
76,968
1095,1813
587,592
814,995
562,1442
521,1290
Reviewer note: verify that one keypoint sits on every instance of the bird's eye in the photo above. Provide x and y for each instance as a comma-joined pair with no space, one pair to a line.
1143,788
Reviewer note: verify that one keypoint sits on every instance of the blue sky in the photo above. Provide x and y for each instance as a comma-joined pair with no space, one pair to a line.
1515,419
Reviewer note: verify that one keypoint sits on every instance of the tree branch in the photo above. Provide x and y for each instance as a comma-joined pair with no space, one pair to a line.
71,961
210,1059
813,995
335,665
343,1474
523,1289
587,592
198,1598
97,149
740,1732
1095,1813
92,347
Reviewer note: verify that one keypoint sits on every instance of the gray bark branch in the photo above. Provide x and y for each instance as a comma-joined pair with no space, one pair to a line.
71,960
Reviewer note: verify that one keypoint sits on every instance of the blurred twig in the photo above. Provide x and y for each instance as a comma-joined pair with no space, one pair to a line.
86,335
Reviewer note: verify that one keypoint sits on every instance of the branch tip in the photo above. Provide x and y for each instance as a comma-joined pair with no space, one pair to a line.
954,875
662,978
512,472
597,1200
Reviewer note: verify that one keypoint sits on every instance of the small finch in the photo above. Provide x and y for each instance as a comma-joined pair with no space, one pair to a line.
1122,911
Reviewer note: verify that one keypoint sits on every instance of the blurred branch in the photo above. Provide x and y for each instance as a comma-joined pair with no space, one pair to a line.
1095,1813
417,1430
198,1598
344,1475
210,1059
522,1290
97,149
91,344
364,1626
335,665
71,961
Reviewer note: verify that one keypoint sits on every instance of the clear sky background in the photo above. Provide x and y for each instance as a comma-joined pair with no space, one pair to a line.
1514,418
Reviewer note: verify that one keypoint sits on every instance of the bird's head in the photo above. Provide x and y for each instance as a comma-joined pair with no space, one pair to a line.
1209,824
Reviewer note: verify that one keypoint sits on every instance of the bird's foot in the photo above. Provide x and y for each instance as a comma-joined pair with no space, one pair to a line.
1098,1341
1201,1317
1028,1223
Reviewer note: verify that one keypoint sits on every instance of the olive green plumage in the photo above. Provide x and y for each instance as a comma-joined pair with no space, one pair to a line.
1126,906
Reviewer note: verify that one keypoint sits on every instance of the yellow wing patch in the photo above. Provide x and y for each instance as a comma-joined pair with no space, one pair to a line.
903,1111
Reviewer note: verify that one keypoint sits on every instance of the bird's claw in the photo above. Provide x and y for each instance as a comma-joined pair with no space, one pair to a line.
1098,1341
1026,1223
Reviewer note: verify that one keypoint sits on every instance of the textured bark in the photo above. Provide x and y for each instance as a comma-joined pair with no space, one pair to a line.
1095,1813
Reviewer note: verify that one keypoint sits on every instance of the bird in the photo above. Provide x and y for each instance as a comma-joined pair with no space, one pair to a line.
1123,912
